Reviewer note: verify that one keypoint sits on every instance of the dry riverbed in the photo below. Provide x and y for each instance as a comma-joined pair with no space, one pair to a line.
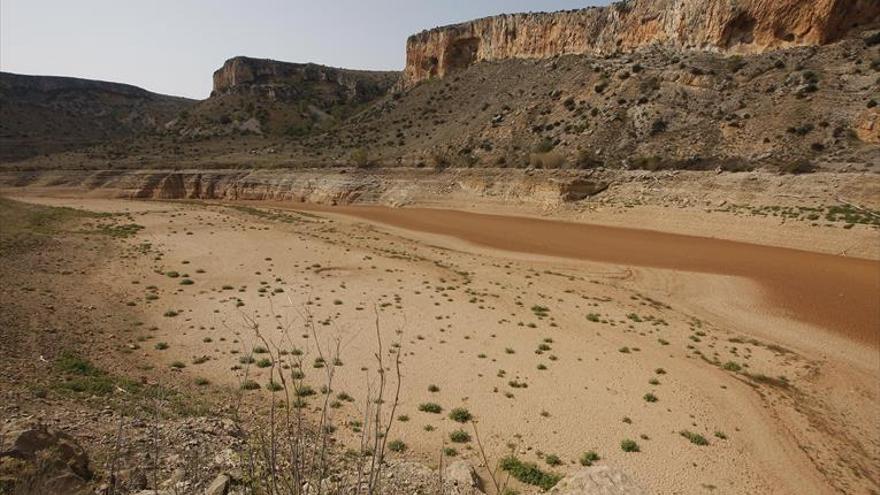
553,353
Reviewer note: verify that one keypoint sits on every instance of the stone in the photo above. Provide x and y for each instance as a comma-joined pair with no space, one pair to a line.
461,475
220,485
598,480
54,457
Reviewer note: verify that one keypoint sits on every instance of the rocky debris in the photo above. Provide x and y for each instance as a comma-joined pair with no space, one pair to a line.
220,485
598,480
37,457
461,478
748,26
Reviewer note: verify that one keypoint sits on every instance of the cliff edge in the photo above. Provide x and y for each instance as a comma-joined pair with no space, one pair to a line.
737,26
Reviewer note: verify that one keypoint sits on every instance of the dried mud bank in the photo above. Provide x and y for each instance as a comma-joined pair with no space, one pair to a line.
796,211
502,187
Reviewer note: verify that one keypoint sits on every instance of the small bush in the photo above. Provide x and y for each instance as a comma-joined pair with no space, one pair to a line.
397,446
589,457
431,407
459,436
649,397
732,366
628,445
250,385
460,414
528,472
695,438
798,167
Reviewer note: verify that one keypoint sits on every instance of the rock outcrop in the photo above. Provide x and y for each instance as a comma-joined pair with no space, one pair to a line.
42,459
598,480
262,96
739,26
284,79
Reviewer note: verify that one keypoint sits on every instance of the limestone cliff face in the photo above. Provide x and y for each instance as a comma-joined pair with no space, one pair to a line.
739,26
277,79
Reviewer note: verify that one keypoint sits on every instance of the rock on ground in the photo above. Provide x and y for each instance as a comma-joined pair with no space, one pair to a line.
598,480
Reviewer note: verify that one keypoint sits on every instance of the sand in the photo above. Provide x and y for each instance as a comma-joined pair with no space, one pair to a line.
788,403
838,293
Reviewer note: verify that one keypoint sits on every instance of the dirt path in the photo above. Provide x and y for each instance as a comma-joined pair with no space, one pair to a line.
835,292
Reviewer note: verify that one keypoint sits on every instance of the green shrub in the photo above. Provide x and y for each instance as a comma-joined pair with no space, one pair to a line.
396,446
628,445
589,457
459,436
528,472
695,438
460,414
431,407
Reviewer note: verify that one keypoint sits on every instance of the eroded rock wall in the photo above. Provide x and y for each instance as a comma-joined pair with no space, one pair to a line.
739,26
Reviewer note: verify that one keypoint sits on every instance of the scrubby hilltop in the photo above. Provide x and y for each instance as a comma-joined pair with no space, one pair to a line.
261,96
654,108
44,114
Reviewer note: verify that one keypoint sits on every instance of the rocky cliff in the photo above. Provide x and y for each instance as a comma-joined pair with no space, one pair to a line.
739,26
261,96
285,78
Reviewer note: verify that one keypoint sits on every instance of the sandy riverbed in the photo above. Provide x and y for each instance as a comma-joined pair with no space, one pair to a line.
786,397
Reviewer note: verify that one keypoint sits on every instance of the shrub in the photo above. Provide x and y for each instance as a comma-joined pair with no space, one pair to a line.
732,366
695,438
459,436
546,145
361,158
71,363
250,385
460,414
529,473
431,407
396,446
589,457
553,460
628,445
649,397
264,363
433,388
161,346
798,167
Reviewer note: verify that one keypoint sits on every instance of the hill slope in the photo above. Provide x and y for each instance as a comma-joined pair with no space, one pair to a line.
262,96
46,114
654,108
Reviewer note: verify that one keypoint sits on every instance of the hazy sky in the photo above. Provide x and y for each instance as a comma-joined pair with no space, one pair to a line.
173,46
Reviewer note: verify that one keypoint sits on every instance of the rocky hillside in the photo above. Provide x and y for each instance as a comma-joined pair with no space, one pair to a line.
43,114
260,96
742,26
654,108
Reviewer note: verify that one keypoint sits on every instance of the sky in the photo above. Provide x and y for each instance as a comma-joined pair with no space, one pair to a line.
173,46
